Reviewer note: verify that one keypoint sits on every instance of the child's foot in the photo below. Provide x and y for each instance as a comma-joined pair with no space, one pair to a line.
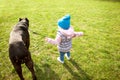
60,60
68,58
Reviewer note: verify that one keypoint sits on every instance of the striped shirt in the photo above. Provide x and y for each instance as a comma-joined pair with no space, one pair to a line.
65,44
64,39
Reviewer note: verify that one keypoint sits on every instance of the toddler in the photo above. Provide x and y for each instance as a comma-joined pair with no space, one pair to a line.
64,37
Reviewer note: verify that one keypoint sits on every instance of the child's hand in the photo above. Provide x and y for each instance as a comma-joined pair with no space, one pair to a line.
81,33
78,34
46,39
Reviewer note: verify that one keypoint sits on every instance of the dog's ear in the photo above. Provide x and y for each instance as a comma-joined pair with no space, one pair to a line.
27,19
20,19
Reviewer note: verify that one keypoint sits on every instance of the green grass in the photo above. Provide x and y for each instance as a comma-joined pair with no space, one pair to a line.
95,56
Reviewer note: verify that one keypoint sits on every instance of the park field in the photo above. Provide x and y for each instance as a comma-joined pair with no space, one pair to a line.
94,56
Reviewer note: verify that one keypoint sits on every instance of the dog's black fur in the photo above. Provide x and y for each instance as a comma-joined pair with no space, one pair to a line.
19,47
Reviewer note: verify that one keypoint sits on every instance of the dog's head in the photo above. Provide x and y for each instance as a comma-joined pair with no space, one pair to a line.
24,20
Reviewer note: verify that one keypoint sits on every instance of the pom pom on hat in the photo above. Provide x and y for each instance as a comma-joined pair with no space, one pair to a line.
64,22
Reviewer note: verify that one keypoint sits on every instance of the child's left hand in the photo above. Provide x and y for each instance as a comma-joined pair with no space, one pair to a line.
46,39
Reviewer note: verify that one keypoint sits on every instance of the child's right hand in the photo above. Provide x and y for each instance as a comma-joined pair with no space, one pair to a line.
78,34
81,33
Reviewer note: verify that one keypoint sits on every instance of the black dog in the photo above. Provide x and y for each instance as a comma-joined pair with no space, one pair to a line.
19,47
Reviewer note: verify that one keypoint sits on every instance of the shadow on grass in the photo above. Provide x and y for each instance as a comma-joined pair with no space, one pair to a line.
80,75
46,73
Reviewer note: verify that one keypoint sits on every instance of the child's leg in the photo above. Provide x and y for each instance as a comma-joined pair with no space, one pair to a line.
68,54
62,56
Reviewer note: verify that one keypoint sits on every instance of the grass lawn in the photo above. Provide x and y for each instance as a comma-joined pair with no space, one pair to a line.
95,56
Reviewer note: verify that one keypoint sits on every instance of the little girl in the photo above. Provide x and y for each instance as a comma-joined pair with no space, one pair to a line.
64,37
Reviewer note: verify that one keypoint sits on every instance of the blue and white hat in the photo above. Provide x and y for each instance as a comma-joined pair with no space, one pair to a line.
64,22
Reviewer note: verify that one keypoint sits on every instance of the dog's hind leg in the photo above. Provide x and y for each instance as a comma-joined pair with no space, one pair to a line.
18,69
29,64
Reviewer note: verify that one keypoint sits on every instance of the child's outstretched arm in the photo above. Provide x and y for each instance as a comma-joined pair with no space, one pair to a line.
55,41
77,34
